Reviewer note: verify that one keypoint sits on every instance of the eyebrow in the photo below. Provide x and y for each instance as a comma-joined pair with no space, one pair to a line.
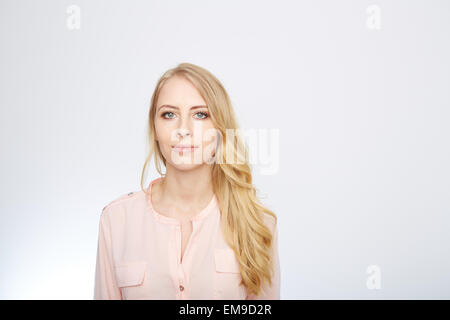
175,107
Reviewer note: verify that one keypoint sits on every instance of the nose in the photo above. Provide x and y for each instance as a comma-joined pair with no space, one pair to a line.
183,132
183,128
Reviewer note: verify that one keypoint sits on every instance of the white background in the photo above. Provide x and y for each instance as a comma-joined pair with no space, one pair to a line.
363,116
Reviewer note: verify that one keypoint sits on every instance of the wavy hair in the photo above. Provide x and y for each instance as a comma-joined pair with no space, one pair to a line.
242,223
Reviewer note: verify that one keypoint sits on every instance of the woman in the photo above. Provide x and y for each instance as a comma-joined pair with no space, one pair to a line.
199,230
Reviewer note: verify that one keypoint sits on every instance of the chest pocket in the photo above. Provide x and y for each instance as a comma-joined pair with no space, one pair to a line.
227,275
132,278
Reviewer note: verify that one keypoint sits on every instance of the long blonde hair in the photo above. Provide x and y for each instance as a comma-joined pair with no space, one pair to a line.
242,223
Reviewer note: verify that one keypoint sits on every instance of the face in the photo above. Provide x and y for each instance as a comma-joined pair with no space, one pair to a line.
184,129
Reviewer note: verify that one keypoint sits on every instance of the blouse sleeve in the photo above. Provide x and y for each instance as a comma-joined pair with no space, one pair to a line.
105,282
271,292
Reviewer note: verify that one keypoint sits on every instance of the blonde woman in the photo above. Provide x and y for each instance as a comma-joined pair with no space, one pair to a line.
198,231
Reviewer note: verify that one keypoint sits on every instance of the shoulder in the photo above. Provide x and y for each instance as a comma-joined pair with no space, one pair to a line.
127,202
118,199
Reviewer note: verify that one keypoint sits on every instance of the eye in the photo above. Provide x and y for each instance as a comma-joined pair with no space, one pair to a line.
164,115
204,115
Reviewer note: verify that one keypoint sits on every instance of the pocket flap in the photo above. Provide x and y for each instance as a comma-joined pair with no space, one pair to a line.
130,273
226,261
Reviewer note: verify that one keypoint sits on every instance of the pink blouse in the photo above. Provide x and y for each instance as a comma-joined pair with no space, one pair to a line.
139,253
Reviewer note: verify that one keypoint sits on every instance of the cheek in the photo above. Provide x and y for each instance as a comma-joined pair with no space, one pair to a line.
208,142
209,134
162,132
209,139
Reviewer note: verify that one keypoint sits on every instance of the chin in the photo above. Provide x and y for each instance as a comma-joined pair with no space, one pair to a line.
185,167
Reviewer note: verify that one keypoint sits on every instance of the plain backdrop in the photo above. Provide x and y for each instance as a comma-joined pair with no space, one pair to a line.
357,90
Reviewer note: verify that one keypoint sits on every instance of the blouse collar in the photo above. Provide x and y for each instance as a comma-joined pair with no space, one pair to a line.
164,219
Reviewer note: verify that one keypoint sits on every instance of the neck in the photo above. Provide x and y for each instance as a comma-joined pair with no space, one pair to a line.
187,190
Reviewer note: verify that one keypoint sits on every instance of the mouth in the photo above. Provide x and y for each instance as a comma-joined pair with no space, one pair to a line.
184,148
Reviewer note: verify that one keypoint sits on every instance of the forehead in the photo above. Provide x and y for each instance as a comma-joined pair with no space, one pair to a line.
180,92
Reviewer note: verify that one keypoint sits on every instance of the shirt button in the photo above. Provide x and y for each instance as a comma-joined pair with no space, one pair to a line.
181,288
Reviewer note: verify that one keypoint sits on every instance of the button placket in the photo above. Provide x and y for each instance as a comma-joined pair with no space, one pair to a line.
182,281
181,288
181,278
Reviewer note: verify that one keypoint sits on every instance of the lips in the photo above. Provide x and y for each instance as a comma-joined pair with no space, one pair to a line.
184,148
